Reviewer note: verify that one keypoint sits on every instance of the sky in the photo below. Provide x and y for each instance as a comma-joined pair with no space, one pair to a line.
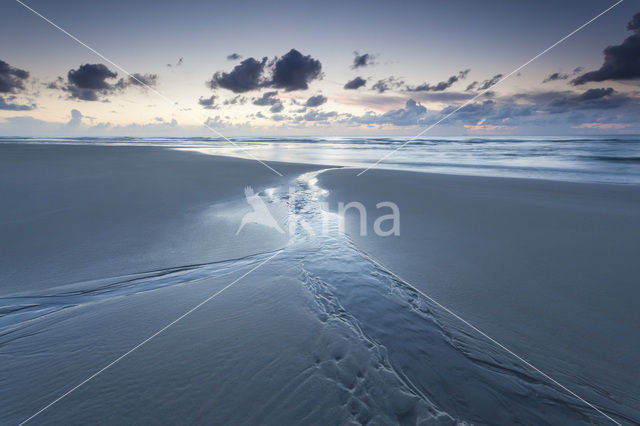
254,68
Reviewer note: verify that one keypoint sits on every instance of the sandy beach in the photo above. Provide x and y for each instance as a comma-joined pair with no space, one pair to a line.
104,246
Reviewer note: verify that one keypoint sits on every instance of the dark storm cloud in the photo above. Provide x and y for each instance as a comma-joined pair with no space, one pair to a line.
364,60
267,99
293,71
443,85
356,83
234,57
8,106
315,101
244,77
387,84
12,79
621,62
207,103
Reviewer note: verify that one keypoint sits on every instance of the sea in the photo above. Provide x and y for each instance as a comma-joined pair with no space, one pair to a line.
607,159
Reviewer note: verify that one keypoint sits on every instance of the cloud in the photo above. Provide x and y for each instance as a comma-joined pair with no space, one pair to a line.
315,115
364,60
268,98
490,82
555,76
293,71
239,100
603,126
621,62
387,84
7,106
276,107
76,118
315,101
91,81
355,84
443,85
244,77
12,79
137,79
471,86
178,64
410,115
234,57
560,76
208,103
591,99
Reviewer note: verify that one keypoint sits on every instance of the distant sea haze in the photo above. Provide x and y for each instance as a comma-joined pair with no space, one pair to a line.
612,159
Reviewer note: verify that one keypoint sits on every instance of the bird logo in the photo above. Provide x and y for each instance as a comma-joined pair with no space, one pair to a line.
260,213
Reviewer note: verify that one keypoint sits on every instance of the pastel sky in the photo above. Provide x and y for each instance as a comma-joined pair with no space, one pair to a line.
259,68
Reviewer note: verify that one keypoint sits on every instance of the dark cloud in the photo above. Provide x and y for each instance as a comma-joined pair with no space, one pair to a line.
356,83
591,99
540,107
12,79
471,86
621,62
560,76
89,81
364,60
234,57
490,82
555,76
315,115
207,103
244,77
8,106
239,100
315,101
137,79
410,115
268,98
278,107
387,84
443,85
293,71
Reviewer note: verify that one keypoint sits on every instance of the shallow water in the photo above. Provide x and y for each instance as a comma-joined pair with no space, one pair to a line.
320,334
